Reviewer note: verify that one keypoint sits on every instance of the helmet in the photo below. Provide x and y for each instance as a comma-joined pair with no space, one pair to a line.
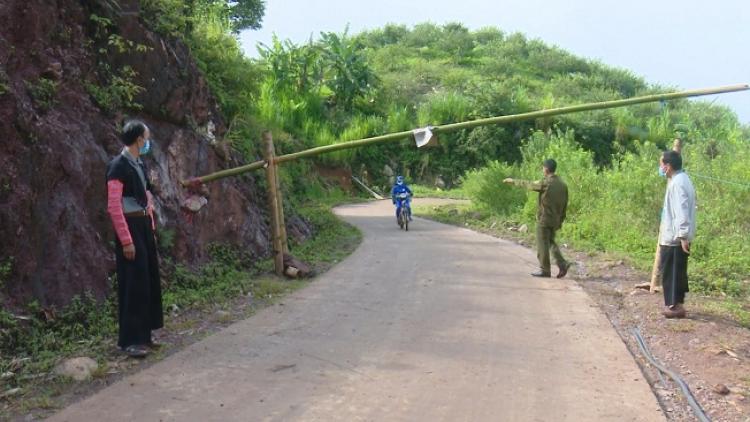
400,180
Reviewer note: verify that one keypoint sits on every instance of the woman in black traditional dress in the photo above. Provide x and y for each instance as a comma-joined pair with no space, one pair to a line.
129,206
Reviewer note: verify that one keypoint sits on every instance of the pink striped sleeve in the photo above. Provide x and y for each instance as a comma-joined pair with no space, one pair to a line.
151,210
114,207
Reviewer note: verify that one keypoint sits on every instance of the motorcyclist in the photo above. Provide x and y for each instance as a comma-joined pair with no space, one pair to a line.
399,188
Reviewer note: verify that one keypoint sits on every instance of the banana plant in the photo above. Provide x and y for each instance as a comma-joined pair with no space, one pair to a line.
347,72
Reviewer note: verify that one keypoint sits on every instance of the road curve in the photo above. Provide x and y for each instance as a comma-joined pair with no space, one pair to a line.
435,324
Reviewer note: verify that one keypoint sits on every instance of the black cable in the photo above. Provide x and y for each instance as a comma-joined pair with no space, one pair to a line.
646,352
685,390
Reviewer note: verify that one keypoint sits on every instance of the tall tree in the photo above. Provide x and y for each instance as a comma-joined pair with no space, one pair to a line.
243,14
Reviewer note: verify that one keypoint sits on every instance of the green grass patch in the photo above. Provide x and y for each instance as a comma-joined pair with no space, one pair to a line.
334,239
730,308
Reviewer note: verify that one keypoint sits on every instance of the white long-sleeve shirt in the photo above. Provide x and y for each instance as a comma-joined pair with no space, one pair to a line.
679,211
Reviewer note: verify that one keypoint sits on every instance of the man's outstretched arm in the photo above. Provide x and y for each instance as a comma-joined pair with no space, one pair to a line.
539,186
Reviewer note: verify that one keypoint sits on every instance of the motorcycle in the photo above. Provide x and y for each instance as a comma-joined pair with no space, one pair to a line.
403,214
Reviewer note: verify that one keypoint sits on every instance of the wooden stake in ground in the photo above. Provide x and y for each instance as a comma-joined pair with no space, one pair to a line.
655,285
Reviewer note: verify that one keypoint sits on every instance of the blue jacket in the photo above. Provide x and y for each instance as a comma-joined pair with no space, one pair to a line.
399,189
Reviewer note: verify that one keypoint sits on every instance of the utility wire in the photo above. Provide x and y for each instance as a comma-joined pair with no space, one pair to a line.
719,180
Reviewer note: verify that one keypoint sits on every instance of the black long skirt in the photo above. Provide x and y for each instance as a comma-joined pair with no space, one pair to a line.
138,286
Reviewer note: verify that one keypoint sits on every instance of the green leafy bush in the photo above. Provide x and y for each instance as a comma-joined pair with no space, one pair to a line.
117,91
232,77
42,93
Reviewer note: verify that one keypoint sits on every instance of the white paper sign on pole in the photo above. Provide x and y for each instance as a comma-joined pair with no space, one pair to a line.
424,137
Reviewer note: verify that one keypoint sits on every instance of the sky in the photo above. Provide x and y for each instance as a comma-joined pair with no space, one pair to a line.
686,44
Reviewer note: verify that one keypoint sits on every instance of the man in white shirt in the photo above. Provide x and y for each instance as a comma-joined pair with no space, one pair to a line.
677,233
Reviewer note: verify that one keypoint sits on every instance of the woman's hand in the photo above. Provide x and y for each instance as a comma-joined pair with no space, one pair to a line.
129,252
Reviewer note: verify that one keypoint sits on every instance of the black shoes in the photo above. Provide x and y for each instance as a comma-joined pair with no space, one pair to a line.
563,270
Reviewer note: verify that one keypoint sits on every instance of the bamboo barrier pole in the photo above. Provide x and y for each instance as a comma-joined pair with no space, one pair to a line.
511,118
470,124
273,204
224,173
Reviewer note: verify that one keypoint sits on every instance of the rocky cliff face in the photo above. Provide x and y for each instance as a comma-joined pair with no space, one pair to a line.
55,234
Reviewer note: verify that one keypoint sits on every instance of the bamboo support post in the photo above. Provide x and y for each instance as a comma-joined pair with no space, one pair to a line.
273,204
282,223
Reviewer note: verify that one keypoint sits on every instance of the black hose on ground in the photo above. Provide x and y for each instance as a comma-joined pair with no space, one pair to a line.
685,390
644,349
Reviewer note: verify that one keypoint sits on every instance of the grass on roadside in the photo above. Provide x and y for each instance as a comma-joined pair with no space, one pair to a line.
334,241
735,309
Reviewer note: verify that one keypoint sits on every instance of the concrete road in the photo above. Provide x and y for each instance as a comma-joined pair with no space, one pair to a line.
434,324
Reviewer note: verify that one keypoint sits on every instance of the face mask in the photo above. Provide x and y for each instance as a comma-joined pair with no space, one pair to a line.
146,147
399,183
661,172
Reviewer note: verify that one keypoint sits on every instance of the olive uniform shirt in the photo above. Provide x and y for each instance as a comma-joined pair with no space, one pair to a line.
552,202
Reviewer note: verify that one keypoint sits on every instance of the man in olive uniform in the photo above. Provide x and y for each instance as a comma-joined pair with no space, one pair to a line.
550,214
